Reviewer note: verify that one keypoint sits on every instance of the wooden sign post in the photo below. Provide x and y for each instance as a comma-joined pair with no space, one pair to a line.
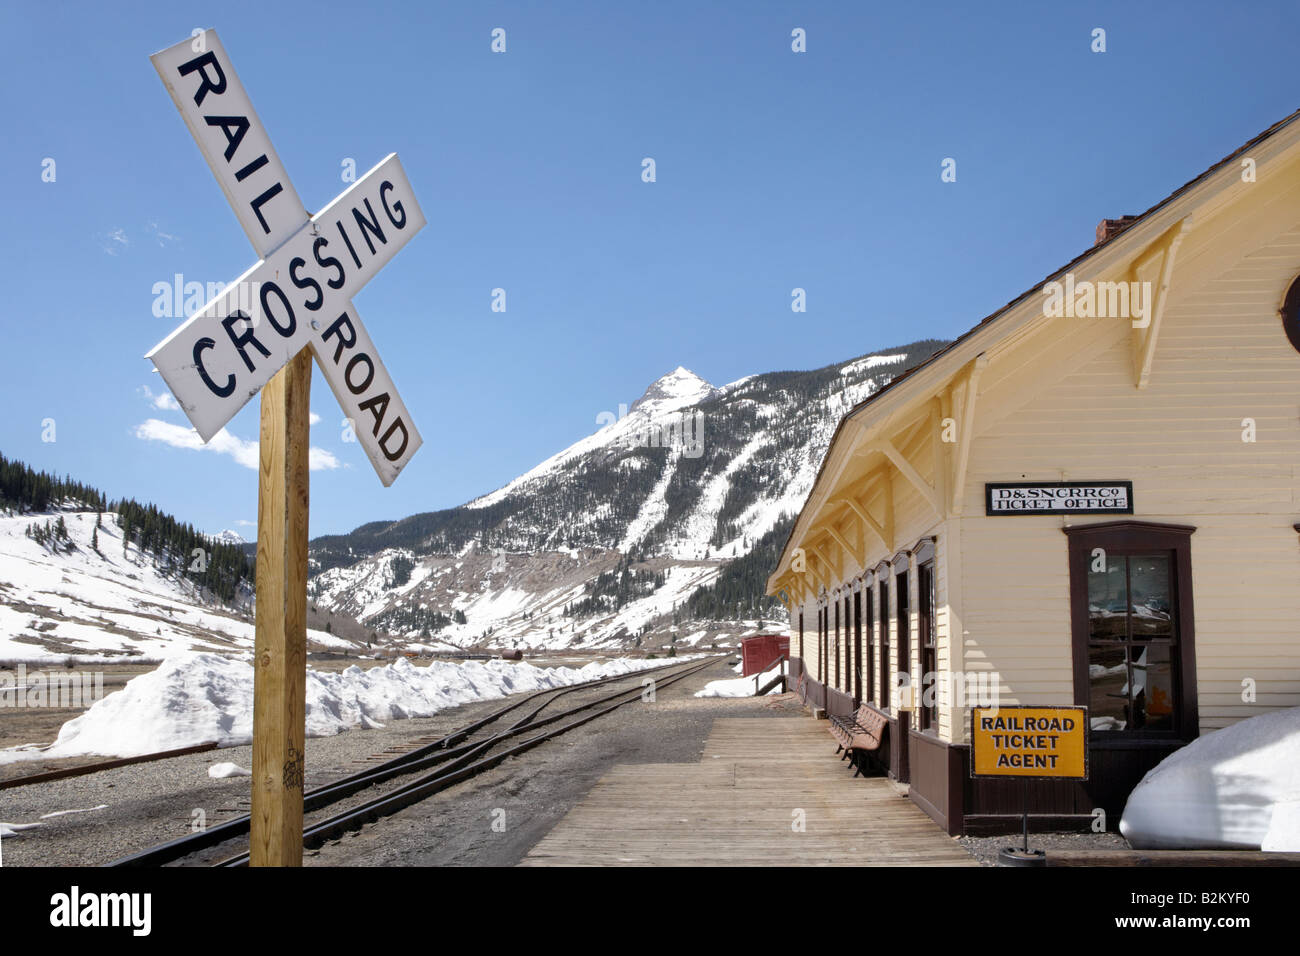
258,336
280,677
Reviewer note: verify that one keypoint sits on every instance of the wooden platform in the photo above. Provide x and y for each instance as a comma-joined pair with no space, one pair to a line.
737,805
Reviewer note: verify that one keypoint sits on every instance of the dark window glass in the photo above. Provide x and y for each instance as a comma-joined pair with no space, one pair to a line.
835,648
857,647
904,602
885,696
1108,680
1132,636
929,649
821,645
871,643
1108,601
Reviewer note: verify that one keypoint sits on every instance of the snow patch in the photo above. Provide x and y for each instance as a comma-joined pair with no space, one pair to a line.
220,771
742,686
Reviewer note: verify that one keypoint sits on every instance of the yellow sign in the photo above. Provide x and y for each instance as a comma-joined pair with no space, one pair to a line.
1029,742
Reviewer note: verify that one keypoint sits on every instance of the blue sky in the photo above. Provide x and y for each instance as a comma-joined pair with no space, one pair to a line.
774,170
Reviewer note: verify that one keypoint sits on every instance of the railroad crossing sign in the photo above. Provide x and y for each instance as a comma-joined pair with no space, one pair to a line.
299,292
257,337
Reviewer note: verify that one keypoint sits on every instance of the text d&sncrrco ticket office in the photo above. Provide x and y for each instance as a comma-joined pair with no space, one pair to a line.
1091,498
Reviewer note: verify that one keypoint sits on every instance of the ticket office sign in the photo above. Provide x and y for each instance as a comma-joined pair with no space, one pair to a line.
1058,498
1044,742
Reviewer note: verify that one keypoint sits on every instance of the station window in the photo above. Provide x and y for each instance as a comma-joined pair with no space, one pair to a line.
871,642
848,644
857,646
1133,631
885,696
817,670
929,670
904,601
836,648
821,644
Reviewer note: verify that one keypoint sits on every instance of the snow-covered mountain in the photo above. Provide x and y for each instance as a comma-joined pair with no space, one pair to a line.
612,539
228,537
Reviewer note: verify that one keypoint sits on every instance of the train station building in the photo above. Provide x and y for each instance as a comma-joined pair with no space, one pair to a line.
1090,498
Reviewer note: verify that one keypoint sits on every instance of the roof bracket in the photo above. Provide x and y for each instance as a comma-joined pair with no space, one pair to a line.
1146,331
963,400
908,471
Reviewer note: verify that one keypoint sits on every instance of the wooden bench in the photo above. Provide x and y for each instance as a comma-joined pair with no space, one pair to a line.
859,734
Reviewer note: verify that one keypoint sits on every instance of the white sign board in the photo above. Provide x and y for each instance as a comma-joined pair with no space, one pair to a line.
299,294
1059,498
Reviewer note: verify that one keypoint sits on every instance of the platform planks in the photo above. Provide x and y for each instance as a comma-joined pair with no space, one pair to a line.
737,805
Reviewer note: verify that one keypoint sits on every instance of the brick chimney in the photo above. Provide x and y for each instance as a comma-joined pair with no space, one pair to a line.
1109,228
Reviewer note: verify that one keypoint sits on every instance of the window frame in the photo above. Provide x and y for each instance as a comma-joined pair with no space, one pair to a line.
1130,538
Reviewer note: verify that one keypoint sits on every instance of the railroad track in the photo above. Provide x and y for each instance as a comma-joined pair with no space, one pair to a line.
89,768
454,756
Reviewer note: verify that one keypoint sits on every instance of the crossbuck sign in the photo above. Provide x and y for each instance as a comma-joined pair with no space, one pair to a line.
258,337
299,292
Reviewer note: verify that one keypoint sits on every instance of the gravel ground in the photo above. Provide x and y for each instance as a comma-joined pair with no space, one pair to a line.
985,849
152,802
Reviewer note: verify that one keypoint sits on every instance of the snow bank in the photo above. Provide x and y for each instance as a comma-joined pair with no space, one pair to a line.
1235,788
741,686
193,698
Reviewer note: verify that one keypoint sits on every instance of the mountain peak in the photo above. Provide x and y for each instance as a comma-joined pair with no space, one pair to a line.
679,388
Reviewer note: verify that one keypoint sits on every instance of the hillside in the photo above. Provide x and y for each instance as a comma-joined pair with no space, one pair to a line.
86,580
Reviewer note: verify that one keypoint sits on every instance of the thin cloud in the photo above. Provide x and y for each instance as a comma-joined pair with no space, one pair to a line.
318,459
115,241
223,443
163,238
163,401
312,418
